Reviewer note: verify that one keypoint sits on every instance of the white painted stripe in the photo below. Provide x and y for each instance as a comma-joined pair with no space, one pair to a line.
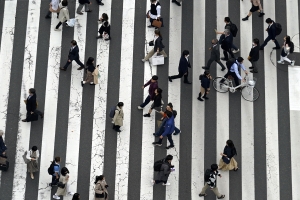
198,117
148,126
7,41
100,101
272,154
51,96
222,107
247,118
75,106
32,30
292,22
123,138
294,92
172,191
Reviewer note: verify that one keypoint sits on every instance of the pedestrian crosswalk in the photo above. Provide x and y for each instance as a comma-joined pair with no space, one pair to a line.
76,125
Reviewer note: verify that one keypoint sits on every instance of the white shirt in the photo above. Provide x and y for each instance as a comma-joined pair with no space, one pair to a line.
55,4
155,37
30,152
158,8
234,68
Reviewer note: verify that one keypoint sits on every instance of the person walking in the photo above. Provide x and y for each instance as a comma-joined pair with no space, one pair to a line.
234,71
157,102
100,3
226,44
158,46
211,181
73,55
271,34
104,30
287,48
53,8
33,157
214,55
153,85
166,168
256,7
64,15
184,64
254,55
63,186
31,105
177,2
169,129
101,192
76,196
227,161
118,117
84,3
155,12
3,147
233,30
205,85
54,169
89,74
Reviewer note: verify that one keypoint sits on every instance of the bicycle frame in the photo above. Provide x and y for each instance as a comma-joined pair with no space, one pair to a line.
230,85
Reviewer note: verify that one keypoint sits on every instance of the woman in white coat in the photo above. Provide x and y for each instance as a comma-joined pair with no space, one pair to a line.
63,186
64,15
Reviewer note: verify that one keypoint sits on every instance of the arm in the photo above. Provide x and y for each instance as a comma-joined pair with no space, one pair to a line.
28,155
237,71
152,89
116,114
148,83
259,4
158,9
167,129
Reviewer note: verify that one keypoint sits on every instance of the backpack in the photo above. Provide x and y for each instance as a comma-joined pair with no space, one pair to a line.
112,111
278,28
291,47
174,113
51,168
230,62
207,175
158,164
233,29
201,77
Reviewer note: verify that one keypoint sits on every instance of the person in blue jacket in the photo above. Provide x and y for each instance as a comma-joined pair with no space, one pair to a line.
271,34
169,129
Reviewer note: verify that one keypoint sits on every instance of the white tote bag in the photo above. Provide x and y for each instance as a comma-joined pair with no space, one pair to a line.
157,60
71,22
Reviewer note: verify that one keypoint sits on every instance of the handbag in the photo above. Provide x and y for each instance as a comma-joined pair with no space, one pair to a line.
24,158
71,22
3,160
157,23
61,185
151,43
99,195
226,159
157,60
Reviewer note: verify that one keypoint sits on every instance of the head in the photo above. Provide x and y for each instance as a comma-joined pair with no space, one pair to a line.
104,16
229,143
185,53
76,196
154,78
214,41
73,43
255,42
34,148
90,61
64,171
269,21
227,32
287,39
31,91
157,32
153,1
214,167
169,114
158,91
226,20
240,60
206,73
64,3
169,107
99,178
169,158
120,104
57,159
1,133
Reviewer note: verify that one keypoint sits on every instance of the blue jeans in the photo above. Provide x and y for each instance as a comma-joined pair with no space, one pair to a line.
176,131
266,42
147,100
161,129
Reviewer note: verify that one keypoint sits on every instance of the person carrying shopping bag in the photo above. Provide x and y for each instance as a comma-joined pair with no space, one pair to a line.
63,186
158,46
64,15
227,162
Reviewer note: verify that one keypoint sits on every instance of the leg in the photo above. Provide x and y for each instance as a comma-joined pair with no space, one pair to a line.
265,42
208,63
234,47
58,25
48,14
203,92
216,191
79,8
164,53
149,55
276,43
101,30
161,128
86,7
177,131
147,100
236,79
286,59
177,76
254,65
231,53
225,54
186,77
67,64
170,140
221,64
160,140
204,189
79,62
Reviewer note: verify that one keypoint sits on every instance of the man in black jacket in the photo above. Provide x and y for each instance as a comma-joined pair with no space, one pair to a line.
205,85
226,44
73,55
214,55
271,34
184,64
254,56
32,112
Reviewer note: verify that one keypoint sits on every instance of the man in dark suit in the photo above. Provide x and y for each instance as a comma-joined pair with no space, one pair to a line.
184,64
271,34
254,56
73,55
226,40
214,55
32,112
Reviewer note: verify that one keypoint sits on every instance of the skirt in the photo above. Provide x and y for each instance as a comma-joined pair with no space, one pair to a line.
231,166
32,166
89,77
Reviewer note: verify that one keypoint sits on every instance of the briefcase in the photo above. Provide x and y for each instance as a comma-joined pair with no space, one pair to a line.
157,23
4,164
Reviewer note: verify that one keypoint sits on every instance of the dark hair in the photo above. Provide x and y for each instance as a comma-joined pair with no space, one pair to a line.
155,77
287,40
64,3
32,90
159,91
230,143
169,157
99,178
157,32
256,41
74,42
57,159
240,59
34,148
64,171
185,52
206,72
215,40
153,1
214,167
90,61
170,105
227,19
120,104
169,113
104,16
76,196
269,20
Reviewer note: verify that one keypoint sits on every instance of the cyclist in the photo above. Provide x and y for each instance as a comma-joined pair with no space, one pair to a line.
234,71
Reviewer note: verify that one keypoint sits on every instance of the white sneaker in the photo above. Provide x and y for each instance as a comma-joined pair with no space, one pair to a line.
166,184
56,29
56,197
280,62
152,182
293,63
235,51
143,60
140,108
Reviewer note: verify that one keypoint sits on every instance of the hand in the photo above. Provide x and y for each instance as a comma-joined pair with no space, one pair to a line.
246,72
220,176
143,87
90,3
244,80
31,112
3,153
221,154
185,73
209,48
161,137
216,30
69,60
157,50
158,18
273,40
267,29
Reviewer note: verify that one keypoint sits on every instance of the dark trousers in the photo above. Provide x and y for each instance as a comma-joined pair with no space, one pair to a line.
147,100
236,79
106,29
266,42
59,23
181,75
225,52
212,60
169,138
54,181
76,60
116,127
159,181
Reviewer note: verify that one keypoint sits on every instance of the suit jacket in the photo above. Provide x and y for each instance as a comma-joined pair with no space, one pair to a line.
183,65
74,53
158,44
272,31
31,103
226,42
254,54
215,53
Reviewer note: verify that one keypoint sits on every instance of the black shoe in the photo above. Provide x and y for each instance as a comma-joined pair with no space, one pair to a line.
147,115
252,71
202,195
170,146
82,83
80,68
24,120
204,67
170,79
101,4
187,82
118,130
177,3
150,26
222,196
42,116
200,99
80,13
224,59
63,69
251,67
47,17
223,68
157,143
261,14
276,48
245,19
89,10
205,97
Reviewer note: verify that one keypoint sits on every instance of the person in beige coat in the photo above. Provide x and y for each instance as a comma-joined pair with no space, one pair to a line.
118,117
63,179
63,14
101,192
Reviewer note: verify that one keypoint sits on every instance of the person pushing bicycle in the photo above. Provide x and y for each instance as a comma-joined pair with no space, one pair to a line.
233,70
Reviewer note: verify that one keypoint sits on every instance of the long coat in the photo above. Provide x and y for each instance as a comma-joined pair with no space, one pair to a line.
100,188
164,172
64,14
119,117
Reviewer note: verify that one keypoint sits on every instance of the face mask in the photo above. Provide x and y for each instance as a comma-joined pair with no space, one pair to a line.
253,44
187,56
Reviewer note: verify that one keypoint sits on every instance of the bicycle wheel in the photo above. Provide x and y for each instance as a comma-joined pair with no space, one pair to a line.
218,86
250,94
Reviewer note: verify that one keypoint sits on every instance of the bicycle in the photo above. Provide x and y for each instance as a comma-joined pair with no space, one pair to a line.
249,92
